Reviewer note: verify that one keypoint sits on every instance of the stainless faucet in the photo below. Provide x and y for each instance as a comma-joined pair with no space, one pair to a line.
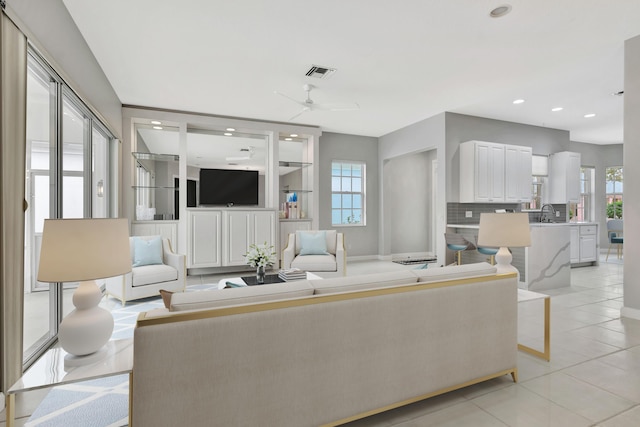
543,213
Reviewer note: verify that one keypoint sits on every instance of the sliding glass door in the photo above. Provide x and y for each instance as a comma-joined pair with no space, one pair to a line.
67,176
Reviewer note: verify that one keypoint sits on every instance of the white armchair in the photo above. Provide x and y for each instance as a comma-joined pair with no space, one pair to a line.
328,259
146,280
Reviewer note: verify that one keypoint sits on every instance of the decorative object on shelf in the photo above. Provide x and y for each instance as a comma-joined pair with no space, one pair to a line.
260,257
84,250
504,231
292,206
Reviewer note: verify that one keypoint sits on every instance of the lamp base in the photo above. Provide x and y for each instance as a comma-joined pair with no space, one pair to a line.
87,328
503,262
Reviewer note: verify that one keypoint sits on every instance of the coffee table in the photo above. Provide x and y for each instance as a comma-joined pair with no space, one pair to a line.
238,280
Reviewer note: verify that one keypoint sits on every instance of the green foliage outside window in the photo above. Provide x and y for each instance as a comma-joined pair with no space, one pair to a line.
614,210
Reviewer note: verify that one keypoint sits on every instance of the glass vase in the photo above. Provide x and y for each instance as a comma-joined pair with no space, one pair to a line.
260,274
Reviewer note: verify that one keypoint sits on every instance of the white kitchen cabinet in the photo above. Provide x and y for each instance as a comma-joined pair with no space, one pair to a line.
494,173
564,177
584,243
204,239
166,229
518,172
574,234
221,237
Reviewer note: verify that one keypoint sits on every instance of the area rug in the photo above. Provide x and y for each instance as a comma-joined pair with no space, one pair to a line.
102,402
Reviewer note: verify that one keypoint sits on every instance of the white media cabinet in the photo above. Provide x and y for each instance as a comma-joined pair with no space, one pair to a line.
219,237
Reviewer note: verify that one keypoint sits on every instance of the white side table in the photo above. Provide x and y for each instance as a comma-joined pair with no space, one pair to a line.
50,371
524,296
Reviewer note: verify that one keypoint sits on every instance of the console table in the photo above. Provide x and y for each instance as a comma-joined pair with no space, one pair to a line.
50,370
525,296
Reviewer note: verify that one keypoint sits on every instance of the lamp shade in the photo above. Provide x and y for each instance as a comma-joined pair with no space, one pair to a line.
76,250
509,230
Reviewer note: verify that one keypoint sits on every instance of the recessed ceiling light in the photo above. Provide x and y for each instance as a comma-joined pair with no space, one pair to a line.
293,135
158,127
500,11
588,116
231,129
228,134
518,101
288,139
155,122
557,109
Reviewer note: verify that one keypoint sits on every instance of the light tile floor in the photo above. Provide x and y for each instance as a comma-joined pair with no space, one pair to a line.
593,378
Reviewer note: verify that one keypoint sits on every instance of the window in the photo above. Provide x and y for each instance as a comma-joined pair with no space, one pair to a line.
614,191
583,210
347,193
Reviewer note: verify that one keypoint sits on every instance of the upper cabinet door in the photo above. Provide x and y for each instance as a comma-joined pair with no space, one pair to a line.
518,173
564,177
482,172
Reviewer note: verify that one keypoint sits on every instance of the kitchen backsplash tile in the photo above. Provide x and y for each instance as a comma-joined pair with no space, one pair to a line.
456,212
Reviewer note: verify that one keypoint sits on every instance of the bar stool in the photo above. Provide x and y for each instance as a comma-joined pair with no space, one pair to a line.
457,243
489,251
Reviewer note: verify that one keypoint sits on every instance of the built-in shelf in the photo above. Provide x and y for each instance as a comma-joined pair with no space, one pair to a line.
296,191
155,156
157,186
294,164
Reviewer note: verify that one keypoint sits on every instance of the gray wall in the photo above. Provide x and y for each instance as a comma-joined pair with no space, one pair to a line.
51,29
407,188
428,134
359,240
461,128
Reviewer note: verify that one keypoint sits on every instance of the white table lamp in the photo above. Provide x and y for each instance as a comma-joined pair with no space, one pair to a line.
504,231
82,250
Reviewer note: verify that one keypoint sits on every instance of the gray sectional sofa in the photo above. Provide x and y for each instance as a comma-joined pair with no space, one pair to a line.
322,352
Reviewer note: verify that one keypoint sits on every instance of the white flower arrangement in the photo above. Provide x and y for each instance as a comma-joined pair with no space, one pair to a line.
260,255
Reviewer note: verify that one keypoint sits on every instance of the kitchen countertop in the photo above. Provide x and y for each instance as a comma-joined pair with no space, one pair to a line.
531,224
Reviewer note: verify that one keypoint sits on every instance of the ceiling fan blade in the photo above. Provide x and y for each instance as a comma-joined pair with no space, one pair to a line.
304,110
349,106
289,98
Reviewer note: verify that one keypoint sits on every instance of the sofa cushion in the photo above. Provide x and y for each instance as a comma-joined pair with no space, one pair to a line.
454,272
363,282
152,274
313,243
182,301
315,263
147,251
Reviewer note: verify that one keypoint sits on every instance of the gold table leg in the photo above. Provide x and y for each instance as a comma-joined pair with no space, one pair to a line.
10,402
546,353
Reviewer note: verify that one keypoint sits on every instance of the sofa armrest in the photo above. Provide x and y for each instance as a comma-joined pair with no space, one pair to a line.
341,255
289,253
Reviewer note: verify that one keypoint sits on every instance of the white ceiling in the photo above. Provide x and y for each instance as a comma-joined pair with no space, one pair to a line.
401,61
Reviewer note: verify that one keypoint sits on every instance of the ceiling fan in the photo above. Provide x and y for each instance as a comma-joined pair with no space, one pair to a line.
309,105
247,156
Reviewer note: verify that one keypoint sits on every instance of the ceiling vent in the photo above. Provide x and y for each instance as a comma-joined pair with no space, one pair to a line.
320,72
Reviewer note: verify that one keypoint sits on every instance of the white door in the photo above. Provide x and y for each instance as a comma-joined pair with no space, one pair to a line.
588,248
574,234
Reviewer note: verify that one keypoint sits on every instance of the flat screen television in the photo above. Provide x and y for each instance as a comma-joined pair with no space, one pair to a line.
228,187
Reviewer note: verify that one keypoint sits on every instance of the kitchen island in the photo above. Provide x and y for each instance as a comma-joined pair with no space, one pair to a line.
546,264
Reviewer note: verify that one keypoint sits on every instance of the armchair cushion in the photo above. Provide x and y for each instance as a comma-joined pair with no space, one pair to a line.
147,251
148,274
313,243
315,262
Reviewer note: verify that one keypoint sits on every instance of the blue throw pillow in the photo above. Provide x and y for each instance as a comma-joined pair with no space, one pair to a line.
147,251
313,243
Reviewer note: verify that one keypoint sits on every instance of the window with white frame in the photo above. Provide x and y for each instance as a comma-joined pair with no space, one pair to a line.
614,190
583,210
347,193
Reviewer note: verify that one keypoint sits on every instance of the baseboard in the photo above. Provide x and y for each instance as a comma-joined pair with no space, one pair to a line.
631,313
1,401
